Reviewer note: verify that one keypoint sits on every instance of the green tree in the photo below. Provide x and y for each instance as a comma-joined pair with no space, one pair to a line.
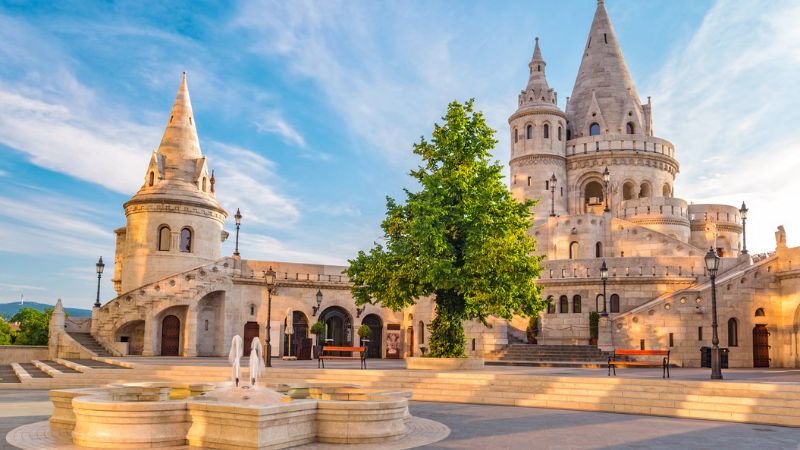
6,333
33,326
462,238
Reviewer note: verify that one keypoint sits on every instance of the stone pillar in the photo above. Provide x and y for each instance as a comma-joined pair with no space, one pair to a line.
604,338
150,335
55,330
190,341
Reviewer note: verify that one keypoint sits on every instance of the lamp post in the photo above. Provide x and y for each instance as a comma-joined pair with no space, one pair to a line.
314,309
99,266
604,277
238,218
269,280
743,211
712,265
553,181
606,179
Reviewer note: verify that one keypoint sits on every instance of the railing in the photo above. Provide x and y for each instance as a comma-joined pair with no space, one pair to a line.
674,266
621,143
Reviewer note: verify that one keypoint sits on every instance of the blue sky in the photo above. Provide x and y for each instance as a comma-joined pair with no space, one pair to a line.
308,110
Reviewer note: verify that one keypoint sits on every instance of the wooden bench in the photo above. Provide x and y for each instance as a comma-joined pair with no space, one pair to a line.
333,348
664,363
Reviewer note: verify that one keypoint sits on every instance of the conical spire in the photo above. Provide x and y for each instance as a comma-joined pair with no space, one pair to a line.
537,91
603,75
180,137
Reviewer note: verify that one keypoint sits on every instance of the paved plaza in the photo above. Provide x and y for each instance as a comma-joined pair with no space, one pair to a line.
503,427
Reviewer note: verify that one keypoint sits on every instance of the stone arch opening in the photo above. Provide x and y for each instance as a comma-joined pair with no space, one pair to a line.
666,190
211,324
339,326
300,342
573,250
375,324
593,194
645,191
133,333
628,190
170,331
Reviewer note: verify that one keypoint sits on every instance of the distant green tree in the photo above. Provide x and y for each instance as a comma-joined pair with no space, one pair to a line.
33,326
462,238
7,335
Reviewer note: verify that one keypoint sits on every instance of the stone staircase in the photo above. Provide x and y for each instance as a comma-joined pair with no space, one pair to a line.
7,374
585,356
86,340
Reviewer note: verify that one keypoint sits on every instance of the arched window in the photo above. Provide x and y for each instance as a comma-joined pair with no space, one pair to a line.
594,129
573,250
598,250
529,132
546,131
666,190
252,310
186,240
644,190
628,190
614,306
559,133
152,178
551,305
563,304
629,128
760,312
594,193
421,332
576,304
516,135
164,238
733,333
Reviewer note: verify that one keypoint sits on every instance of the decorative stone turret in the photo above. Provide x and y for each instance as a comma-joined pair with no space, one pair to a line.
174,221
537,143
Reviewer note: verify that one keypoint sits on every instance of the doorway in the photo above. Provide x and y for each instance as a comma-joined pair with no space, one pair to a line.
339,328
760,346
170,336
376,331
250,332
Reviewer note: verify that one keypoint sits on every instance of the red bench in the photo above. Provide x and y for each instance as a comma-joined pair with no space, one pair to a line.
333,348
664,363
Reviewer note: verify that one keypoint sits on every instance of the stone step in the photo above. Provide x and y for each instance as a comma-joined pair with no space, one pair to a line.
7,374
34,371
86,340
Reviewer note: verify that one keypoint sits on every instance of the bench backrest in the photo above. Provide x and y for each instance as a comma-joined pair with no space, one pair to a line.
333,348
642,352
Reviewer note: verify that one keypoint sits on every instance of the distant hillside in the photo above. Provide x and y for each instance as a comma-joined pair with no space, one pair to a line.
7,310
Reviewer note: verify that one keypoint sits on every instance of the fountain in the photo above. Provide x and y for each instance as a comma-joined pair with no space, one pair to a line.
227,416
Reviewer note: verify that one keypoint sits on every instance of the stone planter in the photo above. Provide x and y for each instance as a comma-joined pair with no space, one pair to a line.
444,363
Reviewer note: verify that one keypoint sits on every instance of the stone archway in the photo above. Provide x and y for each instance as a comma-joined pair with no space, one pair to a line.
133,333
375,324
170,336
250,332
760,346
211,324
339,327
299,336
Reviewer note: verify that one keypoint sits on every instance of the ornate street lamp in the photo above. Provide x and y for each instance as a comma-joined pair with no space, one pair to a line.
743,212
606,179
269,280
314,309
99,266
712,265
238,218
553,195
604,277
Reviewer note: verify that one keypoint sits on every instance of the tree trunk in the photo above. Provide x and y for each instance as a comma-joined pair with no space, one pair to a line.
447,329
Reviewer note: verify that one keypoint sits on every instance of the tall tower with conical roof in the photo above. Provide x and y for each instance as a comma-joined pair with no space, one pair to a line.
174,221
538,142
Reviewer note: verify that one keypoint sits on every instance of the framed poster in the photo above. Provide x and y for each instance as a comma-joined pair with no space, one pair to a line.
393,341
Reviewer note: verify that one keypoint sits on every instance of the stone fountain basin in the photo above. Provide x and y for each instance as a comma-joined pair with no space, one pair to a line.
140,415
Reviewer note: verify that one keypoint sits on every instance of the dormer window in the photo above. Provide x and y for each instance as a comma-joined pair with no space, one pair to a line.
538,68
152,179
594,129
629,128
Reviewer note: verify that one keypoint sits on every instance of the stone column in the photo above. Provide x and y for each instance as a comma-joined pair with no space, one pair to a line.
604,338
190,340
55,330
150,335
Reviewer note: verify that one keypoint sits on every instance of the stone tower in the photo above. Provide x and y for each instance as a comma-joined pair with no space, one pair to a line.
538,143
174,222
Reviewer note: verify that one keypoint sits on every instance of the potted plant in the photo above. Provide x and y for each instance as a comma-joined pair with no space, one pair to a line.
317,329
364,333
594,327
533,329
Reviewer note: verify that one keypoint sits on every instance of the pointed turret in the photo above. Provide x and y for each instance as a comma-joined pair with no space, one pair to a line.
180,137
537,92
604,87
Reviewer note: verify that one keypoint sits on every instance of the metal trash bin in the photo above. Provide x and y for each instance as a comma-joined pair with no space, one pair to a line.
705,357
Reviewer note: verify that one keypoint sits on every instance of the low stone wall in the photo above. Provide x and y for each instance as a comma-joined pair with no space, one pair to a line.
22,353
444,363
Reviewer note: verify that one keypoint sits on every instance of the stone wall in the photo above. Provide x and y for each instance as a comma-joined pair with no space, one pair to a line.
22,353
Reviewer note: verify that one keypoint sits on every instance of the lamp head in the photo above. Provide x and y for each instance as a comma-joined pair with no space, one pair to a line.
743,211
238,217
269,277
319,297
100,266
606,175
712,261
604,270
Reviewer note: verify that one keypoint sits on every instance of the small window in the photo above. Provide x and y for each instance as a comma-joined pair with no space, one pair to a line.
551,306
164,238
421,332
598,250
529,181
152,178
473,344
516,136
641,344
559,133
594,130
204,184
252,310
538,68
546,185
529,132
699,333
733,333
563,304
760,312
576,304
546,131
671,340
605,38
573,250
614,307
206,325
569,135
186,240
629,128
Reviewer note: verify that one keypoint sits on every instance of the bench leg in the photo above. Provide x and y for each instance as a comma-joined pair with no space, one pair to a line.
609,366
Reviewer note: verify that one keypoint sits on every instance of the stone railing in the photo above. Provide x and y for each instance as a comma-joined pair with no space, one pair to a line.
621,143
651,207
673,266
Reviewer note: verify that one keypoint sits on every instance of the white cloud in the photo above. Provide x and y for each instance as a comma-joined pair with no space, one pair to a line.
727,99
273,122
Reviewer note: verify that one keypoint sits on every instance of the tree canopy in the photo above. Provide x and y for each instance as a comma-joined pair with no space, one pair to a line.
461,237
33,326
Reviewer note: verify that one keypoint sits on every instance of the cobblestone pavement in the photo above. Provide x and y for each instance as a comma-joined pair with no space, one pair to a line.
508,427
20,407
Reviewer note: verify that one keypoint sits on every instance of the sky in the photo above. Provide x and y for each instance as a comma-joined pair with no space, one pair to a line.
308,111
